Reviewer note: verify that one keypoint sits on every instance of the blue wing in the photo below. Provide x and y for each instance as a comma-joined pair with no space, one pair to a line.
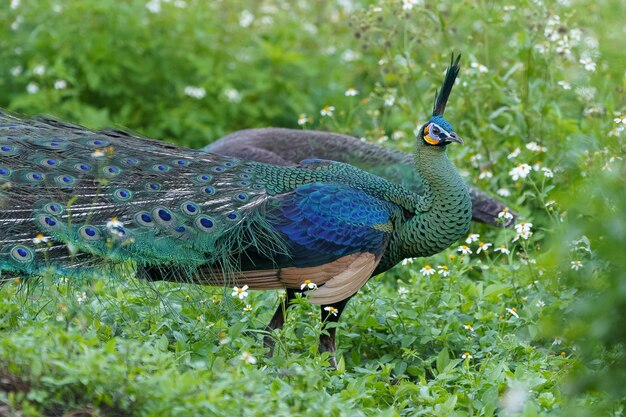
323,222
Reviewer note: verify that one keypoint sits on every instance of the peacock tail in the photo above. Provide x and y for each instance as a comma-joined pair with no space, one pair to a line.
71,197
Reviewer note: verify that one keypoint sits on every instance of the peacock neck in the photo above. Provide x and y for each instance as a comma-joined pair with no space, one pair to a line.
450,208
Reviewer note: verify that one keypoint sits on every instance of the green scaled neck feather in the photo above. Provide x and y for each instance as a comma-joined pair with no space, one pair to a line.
450,211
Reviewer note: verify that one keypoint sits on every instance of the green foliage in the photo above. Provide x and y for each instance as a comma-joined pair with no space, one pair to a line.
533,332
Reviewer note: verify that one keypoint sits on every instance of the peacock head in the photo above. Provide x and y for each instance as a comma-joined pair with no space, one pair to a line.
437,131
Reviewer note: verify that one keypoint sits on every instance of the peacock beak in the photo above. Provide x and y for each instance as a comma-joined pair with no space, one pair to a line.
455,138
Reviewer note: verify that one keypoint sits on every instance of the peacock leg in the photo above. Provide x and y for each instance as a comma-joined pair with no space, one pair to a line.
327,338
278,320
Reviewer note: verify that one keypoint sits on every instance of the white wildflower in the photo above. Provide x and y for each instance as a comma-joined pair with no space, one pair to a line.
247,308
39,70
513,311
504,192
115,227
443,270
553,24
514,154
248,358
332,310
576,265
483,247
308,284
469,327
427,271
114,223
505,214
563,46
588,63
98,153
327,111
232,95
351,92
14,4
467,355
60,85
267,20
349,55
479,67
398,134
502,249
547,172
540,304
17,23
616,131
523,227
541,48
472,237
485,174
475,159
40,238
389,100
576,35
154,6
586,93
302,119
464,249
402,291
408,4
523,235
195,92
520,171
245,18
533,146
16,71
565,85
81,297
240,293
32,88
557,341
407,261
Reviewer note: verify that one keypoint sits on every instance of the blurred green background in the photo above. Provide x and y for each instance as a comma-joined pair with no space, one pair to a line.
543,83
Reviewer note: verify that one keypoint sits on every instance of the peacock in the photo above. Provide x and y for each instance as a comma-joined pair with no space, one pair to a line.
282,146
72,199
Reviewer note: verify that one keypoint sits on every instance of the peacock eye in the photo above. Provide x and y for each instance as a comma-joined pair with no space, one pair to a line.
436,130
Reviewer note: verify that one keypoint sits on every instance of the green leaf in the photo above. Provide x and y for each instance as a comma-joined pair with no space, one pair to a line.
443,359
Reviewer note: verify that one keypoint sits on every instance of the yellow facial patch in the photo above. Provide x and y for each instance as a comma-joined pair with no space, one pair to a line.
428,138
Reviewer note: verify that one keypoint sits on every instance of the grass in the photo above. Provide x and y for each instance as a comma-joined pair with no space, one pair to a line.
533,332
